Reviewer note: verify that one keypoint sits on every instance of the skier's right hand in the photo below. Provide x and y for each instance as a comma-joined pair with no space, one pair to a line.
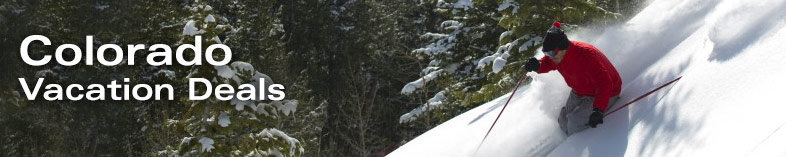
595,118
532,65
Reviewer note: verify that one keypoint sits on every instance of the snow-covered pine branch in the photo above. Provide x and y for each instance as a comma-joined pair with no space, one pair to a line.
433,103
499,59
419,83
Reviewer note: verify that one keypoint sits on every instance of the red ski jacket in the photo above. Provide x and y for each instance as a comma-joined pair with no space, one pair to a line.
588,72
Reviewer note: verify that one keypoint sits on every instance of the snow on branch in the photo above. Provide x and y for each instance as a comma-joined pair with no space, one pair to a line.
276,134
433,103
444,42
191,29
207,144
419,83
499,59
509,4
460,4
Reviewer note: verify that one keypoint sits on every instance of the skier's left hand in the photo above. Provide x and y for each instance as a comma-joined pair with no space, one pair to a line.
595,118
532,64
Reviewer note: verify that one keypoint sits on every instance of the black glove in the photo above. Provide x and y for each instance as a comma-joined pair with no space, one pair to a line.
532,65
595,118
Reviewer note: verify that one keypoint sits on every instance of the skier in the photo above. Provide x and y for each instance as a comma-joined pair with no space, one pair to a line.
594,81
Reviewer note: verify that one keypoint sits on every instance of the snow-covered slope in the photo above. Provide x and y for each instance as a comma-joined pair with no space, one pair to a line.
728,103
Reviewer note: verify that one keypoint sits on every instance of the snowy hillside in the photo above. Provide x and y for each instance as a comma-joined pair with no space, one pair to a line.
729,101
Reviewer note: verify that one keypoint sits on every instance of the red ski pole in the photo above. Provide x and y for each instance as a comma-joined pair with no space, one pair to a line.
642,96
503,107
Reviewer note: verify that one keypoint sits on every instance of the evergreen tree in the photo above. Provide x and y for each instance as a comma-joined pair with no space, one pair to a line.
238,127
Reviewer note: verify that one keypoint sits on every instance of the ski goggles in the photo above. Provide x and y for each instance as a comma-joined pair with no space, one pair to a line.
551,53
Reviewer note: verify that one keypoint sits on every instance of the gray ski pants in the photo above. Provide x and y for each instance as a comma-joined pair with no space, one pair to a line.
575,115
